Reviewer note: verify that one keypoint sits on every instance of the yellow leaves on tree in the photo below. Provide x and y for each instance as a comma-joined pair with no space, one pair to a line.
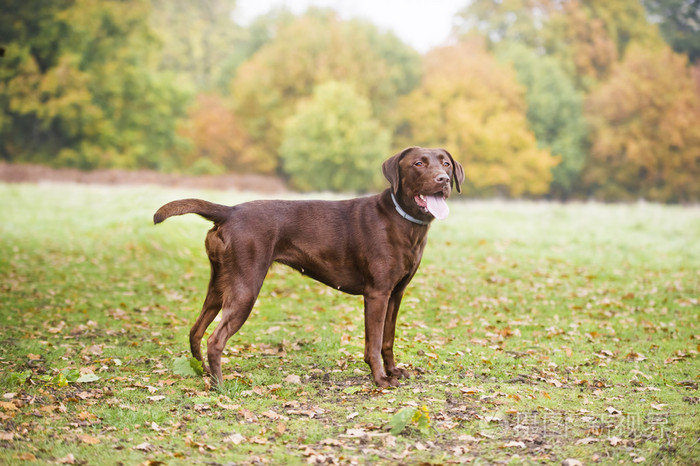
313,49
644,129
581,43
474,106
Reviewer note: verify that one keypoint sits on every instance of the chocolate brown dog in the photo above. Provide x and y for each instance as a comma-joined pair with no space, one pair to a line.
369,246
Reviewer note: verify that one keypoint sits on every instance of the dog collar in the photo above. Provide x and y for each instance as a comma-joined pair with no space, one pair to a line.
404,214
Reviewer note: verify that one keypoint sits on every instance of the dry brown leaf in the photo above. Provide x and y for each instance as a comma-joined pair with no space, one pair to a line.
271,415
89,439
86,416
8,406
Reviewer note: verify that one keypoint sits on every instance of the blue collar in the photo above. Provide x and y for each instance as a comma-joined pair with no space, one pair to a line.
406,215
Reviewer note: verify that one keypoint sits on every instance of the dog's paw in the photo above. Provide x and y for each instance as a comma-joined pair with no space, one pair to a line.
386,382
398,373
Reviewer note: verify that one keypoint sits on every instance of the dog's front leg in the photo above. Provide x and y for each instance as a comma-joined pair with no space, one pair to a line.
388,338
375,316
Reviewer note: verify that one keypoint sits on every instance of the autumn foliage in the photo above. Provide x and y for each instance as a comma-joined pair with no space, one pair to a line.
471,104
563,99
645,130
217,135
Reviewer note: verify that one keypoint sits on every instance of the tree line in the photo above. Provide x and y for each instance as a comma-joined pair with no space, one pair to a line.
537,98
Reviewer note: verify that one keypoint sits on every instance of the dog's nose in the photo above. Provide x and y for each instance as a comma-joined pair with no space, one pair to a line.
442,178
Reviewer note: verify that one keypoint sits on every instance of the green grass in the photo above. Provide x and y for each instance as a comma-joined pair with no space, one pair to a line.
535,332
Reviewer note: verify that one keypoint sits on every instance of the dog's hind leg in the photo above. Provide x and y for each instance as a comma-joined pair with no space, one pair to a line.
210,309
239,299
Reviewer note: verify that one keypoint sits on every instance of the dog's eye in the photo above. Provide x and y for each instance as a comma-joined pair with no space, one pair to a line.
446,164
418,164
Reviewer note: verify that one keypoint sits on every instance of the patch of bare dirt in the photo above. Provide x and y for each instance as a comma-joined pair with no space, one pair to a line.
26,173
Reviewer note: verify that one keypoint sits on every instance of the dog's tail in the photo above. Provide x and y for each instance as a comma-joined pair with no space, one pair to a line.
217,213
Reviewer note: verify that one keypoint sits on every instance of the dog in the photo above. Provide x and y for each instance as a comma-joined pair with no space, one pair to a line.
369,246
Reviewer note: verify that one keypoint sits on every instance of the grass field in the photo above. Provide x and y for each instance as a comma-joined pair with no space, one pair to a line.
535,333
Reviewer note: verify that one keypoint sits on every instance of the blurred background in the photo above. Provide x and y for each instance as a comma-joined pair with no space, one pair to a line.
557,99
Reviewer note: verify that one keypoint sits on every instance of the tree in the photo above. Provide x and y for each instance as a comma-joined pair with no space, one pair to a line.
554,111
474,107
586,37
76,88
219,141
679,22
202,46
644,130
333,143
581,43
313,49
518,21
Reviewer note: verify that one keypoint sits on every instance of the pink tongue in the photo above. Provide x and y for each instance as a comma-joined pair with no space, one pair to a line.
437,206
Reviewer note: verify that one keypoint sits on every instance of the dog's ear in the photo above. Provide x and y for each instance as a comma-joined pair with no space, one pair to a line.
457,172
390,168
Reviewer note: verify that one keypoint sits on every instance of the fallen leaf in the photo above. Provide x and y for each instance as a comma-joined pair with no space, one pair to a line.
614,441
554,382
248,415
145,446
8,406
90,440
271,415
355,433
571,462
613,411
639,459
293,379
26,457
586,441
470,390
68,459
634,356
658,407
227,406
515,444
234,438
333,442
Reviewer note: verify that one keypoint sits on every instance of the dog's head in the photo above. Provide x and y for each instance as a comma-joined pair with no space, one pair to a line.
423,178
